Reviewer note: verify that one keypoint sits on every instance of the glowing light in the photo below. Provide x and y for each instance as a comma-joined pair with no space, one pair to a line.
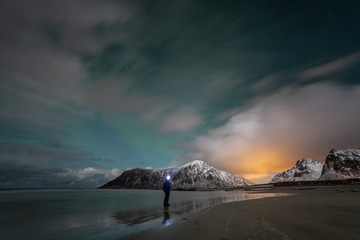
261,165
168,177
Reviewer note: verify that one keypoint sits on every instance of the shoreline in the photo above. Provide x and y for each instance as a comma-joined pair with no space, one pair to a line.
311,212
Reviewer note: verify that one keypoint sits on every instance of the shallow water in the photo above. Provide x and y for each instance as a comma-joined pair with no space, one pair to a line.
99,214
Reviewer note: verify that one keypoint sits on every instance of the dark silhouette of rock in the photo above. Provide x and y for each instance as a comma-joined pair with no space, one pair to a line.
341,164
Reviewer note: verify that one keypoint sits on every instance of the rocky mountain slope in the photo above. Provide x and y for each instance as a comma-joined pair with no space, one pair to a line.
341,164
305,170
194,175
247,181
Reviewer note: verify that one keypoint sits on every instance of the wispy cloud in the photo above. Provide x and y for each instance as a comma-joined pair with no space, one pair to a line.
64,20
267,81
181,120
331,67
39,89
113,96
25,154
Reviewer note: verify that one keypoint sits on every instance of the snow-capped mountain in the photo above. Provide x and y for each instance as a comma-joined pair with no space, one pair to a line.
341,164
194,175
305,170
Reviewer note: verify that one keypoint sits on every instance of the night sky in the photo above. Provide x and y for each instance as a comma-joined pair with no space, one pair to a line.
91,88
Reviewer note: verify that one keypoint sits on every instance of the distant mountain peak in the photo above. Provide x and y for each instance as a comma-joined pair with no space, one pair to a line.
341,164
196,163
306,161
346,154
306,169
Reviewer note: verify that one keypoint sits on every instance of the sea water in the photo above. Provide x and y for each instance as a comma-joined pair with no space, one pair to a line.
99,213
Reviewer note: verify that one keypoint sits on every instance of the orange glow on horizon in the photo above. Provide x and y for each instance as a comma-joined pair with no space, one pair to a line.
263,163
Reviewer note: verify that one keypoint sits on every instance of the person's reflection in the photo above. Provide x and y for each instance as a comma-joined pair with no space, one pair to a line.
166,215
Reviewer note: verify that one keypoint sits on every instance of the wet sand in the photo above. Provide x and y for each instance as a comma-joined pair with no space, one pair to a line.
308,213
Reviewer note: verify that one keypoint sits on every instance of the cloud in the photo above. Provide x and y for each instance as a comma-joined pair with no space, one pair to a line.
331,67
75,18
266,81
35,164
48,94
219,82
181,120
40,88
89,177
26,154
271,135
42,73
112,96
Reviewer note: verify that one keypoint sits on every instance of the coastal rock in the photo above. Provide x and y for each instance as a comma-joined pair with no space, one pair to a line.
341,164
194,175
305,170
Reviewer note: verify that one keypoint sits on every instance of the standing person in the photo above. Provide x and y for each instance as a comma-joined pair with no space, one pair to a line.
166,188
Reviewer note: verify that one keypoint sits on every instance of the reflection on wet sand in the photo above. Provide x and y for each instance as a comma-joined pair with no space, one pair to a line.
166,216
179,208
134,217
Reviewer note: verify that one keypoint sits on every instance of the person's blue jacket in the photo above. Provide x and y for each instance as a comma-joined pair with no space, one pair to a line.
166,186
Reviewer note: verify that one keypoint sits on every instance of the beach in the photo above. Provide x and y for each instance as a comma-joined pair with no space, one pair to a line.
306,213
